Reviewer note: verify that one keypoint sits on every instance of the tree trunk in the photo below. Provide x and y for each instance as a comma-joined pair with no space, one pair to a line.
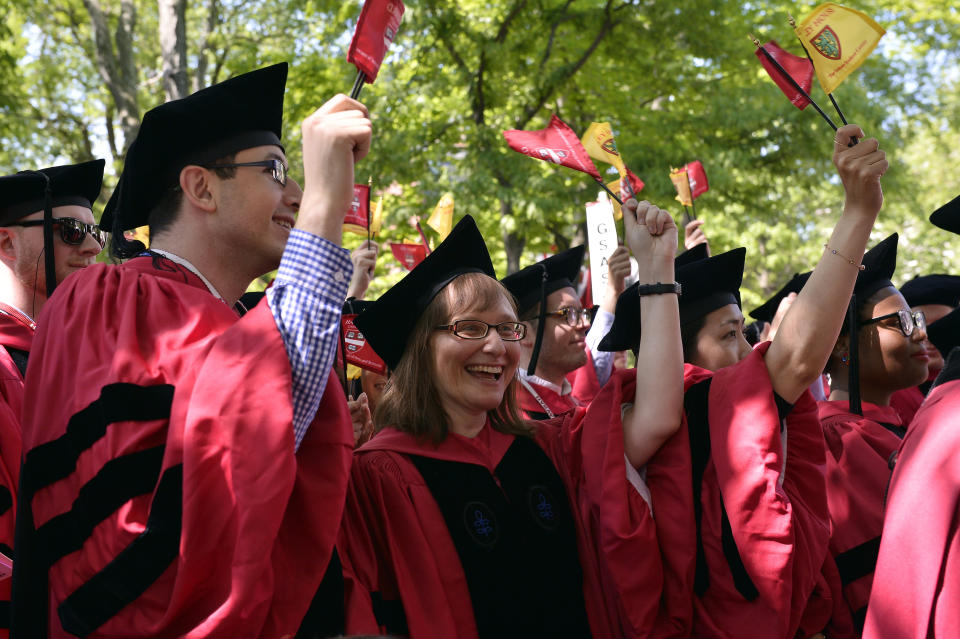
118,70
213,18
173,47
513,242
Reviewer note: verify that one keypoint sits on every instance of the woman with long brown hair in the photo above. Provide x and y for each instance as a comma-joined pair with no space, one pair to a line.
463,520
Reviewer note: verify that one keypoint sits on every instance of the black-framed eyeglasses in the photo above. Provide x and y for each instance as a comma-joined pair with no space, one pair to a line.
72,230
907,321
477,329
278,168
573,316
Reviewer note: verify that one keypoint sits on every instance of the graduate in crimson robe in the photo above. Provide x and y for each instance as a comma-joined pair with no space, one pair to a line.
917,580
504,528
184,473
561,367
881,349
739,493
916,584
23,292
935,296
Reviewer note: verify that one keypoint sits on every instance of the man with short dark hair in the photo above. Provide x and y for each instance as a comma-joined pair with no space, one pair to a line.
74,244
190,482
560,365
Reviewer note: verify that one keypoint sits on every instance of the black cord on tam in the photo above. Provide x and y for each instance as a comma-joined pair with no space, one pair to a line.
48,248
541,324
854,374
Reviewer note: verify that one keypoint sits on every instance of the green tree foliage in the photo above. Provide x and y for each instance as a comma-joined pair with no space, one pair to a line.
678,81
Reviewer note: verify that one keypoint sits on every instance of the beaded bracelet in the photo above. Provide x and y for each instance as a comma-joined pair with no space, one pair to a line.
860,267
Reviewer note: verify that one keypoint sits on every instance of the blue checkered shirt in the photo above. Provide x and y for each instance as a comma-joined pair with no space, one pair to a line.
306,300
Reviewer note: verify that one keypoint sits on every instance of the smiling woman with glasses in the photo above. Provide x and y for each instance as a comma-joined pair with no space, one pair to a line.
465,520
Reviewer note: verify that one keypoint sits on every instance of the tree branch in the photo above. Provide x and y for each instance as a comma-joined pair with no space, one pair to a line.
561,75
553,33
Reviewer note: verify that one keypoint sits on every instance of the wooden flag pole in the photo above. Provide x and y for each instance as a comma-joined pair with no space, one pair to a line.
793,82
358,85
836,106
369,189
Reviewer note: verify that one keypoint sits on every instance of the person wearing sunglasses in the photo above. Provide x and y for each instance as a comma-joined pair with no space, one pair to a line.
881,349
196,458
23,293
560,366
78,240
916,582
935,296
465,520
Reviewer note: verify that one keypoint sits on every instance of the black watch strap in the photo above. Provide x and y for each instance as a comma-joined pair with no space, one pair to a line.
658,288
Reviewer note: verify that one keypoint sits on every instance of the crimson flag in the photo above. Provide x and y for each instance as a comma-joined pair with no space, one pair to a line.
356,218
557,143
359,351
697,178
376,29
800,69
630,185
409,254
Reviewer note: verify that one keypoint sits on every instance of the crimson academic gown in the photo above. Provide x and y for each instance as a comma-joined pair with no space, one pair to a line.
859,451
916,586
742,527
160,493
532,409
408,548
906,402
584,387
16,337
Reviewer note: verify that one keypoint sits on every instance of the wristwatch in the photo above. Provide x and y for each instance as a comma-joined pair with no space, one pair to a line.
658,289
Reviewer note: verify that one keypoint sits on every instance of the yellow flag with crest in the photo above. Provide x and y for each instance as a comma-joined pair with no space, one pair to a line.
838,40
600,145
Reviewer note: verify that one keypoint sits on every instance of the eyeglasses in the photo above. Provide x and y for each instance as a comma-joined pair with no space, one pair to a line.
908,322
279,170
72,230
573,316
475,329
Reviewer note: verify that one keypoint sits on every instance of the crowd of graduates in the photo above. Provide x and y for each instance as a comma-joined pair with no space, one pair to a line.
182,460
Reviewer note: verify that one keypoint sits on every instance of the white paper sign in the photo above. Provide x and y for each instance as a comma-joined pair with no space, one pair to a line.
602,242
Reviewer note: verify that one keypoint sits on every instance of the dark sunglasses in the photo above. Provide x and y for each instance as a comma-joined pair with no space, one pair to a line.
72,230
907,321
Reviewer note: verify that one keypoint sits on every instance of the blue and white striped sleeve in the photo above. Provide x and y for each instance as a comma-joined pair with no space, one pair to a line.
602,360
306,300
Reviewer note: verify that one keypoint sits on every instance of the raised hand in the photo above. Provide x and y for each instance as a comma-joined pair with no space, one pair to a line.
693,235
860,168
335,136
364,259
651,234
